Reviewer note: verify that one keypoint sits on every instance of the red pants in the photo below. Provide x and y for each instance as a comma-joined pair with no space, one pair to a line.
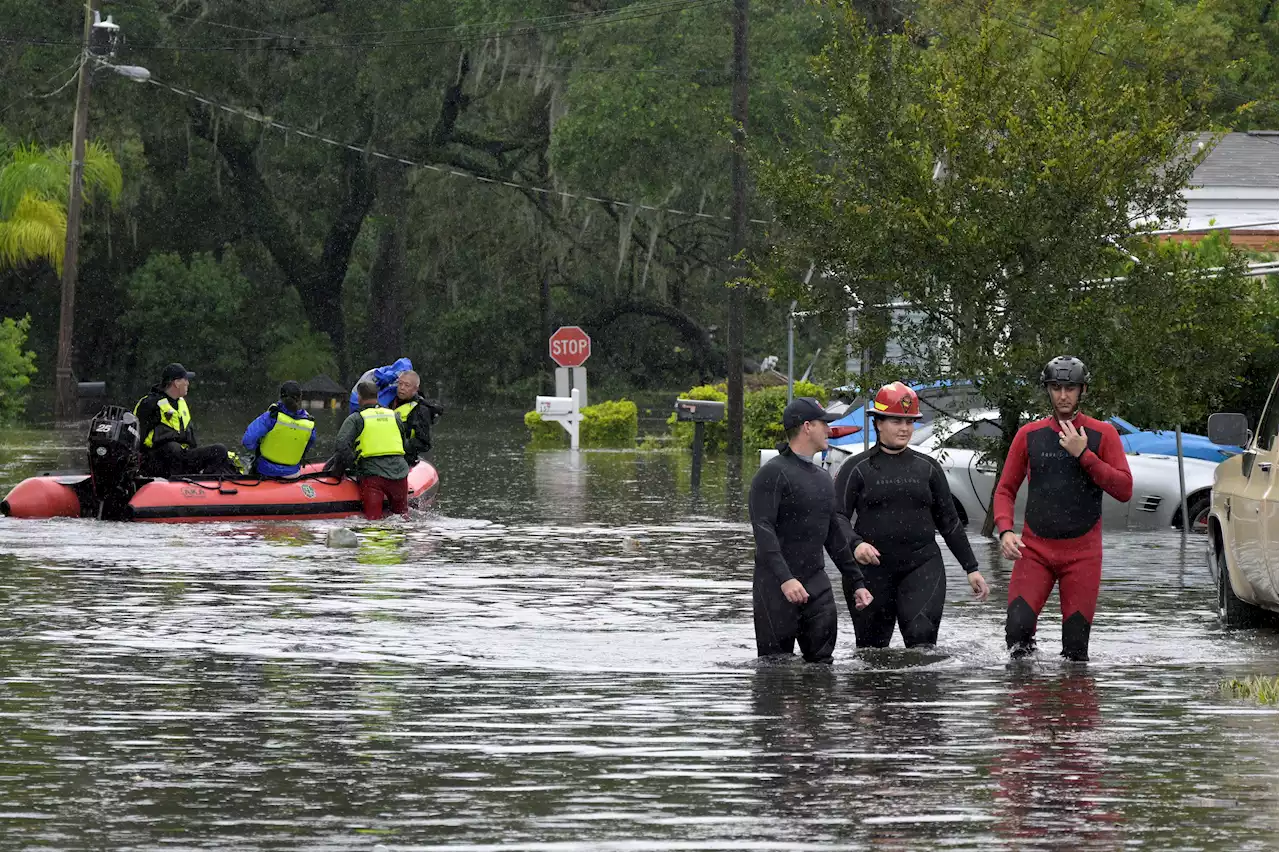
374,488
1075,564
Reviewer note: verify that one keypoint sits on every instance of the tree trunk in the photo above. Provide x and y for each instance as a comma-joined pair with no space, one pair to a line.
386,284
318,282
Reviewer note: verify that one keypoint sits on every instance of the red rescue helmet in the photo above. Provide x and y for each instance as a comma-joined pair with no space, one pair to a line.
896,400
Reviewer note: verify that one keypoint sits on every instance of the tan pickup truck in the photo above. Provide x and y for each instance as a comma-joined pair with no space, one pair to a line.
1244,523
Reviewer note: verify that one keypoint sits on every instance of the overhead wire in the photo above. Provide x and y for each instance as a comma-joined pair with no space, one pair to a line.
448,171
300,43
405,31
76,63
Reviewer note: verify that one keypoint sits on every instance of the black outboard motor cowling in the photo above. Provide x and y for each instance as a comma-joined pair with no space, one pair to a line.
113,461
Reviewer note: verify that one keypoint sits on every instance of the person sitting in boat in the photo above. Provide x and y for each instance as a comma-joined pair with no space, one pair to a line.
168,442
371,442
282,435
384,378
418,414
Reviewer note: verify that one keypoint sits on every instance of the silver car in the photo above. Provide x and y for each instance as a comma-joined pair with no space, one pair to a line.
955,442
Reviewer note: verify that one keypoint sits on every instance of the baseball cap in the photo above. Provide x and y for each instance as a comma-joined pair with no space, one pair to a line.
173,372
804,408
290,390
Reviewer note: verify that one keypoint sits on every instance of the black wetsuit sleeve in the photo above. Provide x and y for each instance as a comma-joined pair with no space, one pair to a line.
947,519
848,494
841,550
767,491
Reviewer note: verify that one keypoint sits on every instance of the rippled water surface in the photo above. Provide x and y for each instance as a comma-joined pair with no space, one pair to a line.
560,657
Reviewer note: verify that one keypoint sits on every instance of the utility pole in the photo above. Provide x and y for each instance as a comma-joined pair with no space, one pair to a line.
64,409
738,238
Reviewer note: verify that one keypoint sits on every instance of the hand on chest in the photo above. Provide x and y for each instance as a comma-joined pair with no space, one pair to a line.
1046,452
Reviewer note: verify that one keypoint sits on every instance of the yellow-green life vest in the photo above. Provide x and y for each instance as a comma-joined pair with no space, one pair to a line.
176,418
403,413
381,434
287,440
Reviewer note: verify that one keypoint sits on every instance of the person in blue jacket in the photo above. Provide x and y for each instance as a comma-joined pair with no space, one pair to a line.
385,378
282,435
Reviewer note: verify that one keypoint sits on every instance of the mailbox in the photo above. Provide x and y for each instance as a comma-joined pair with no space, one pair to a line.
699,411
552,406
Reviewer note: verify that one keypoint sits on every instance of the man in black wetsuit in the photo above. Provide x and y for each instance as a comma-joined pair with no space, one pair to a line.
793,517
894,498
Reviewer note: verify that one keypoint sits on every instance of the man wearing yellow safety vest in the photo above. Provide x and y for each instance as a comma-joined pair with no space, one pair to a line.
168,440
282,435
372,442
417,413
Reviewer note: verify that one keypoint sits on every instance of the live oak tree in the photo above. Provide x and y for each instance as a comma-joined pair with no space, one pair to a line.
978,183
621,99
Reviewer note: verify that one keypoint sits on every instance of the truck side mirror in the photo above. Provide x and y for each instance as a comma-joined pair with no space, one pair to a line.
1229,429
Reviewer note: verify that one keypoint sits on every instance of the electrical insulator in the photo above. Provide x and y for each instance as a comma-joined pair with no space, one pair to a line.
104,39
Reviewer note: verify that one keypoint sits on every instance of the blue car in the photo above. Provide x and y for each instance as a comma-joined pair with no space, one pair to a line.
1151,443
1135,440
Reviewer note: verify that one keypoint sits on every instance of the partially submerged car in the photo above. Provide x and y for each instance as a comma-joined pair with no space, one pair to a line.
961,396
1242,526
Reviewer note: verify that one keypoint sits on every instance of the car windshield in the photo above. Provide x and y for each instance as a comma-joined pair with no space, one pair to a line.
1268,426
974,436
1124,425
922,434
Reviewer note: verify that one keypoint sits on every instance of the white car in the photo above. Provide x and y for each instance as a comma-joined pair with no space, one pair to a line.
954,440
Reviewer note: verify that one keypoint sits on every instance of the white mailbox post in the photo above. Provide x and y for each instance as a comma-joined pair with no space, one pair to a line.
564,410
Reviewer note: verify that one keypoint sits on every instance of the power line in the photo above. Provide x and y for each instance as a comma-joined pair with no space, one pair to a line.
443,28
74,64
68,82
444,170
295,43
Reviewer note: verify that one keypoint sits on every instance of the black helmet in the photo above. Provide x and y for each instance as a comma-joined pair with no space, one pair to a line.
1066,370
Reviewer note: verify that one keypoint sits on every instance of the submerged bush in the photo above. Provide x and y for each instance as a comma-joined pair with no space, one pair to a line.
610,424
1262,689
762,414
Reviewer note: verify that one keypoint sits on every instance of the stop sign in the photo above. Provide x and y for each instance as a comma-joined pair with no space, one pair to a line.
570,346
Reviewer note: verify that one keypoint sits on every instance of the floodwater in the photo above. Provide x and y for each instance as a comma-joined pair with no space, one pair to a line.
560,657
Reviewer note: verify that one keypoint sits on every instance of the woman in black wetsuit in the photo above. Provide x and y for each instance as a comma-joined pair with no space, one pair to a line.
894,498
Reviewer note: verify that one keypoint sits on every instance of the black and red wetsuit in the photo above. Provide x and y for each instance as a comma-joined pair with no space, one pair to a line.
1062,532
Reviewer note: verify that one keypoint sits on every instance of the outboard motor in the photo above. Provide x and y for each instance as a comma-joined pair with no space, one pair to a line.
113,461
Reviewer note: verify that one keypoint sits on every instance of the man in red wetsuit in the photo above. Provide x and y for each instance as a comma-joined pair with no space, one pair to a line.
1071,460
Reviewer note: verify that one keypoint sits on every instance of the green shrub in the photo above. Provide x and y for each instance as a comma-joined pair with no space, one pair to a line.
613,423
304,354
16,367
544,433
715,434
199,312
762,414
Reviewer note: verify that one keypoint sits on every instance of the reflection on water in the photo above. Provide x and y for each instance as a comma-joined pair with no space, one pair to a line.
561,657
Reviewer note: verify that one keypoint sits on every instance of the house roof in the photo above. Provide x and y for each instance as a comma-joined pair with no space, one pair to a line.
322,385
1241,159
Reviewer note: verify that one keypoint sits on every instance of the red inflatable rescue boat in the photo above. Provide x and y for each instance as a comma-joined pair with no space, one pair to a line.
112,490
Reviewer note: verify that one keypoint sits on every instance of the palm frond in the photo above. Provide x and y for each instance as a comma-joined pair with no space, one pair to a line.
47,174
36,231
30,169
102,173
